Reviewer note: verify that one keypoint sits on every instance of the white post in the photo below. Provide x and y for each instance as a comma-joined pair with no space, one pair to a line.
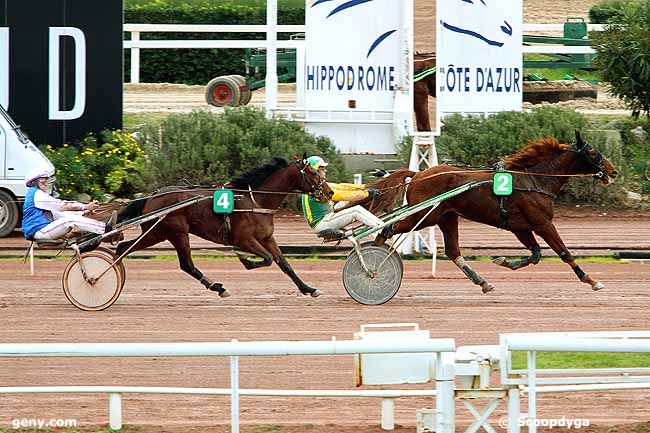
271,84
300,75
387,414
115,411
532,391
445,393
135,59
514,410
358,178
234,393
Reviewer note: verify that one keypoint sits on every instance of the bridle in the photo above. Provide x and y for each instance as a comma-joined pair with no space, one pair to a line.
596,163
315,189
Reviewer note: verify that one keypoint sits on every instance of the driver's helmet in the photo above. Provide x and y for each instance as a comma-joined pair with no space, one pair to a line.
36,173
316,162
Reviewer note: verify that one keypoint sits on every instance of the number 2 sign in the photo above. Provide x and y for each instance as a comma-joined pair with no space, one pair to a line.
502,184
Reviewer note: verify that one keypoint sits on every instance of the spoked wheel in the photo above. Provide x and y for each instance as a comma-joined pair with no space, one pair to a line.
90,293
110,254
223,91
386,278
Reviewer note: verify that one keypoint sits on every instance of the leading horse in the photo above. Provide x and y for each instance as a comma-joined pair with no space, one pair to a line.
250,227
539,171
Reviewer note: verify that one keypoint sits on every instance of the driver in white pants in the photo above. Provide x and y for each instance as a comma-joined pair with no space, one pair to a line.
45,217
322,216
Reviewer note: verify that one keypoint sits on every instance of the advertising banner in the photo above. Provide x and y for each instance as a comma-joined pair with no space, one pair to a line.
479,55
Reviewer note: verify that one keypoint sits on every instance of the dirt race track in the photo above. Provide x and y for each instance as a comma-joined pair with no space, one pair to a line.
162,304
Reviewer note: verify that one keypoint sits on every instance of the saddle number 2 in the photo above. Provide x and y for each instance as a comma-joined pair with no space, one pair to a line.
502,184
223,201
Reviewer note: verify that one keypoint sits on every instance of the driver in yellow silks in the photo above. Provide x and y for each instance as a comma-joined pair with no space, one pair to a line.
323,218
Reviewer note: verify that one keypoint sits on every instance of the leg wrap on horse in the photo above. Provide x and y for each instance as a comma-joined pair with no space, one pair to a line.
537,255
473,276
582,276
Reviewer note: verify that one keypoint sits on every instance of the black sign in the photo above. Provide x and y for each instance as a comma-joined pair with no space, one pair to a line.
64,73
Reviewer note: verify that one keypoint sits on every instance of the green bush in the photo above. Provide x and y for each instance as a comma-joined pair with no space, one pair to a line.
209,149
624,55
197,66
110,162
606,10
482,140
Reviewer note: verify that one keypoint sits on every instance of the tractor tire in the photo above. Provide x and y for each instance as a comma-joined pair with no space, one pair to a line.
244,88
222,91
8,214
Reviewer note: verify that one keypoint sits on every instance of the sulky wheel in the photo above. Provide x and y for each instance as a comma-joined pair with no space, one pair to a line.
244,88
223,91
385,281
91,293
110,254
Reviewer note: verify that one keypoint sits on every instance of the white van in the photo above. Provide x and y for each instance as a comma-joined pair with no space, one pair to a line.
17,156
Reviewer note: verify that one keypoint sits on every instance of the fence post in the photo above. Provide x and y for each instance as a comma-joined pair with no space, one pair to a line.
135,59
271,81
234,393
115,411
514,410
445,422
532,391
387,414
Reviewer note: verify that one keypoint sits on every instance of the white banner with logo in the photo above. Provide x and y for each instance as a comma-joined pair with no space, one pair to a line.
353,53
479,55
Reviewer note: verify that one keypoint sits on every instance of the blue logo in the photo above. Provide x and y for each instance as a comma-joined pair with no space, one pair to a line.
507,29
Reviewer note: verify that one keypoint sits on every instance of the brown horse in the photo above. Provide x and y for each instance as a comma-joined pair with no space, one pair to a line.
539,170
424,87
259,193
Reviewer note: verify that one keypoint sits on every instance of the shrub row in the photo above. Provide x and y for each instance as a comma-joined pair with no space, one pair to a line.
197,66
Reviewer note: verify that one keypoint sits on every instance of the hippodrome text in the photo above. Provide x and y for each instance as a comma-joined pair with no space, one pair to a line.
469,79
363,78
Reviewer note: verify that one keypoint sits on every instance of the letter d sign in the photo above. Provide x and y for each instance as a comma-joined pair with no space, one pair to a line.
55,112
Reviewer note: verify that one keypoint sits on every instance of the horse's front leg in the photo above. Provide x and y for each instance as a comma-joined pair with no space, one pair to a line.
528,239
448,224
283,264
181,242
549,233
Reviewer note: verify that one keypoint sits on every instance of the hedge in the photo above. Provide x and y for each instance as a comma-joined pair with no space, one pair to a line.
197,66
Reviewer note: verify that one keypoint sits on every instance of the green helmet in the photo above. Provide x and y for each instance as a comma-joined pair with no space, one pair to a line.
316,162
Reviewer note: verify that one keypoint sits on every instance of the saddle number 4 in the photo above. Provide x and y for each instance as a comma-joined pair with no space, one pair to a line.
223,201
502,184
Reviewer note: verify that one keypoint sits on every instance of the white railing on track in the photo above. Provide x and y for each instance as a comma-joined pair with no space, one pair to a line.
135,44
439,348
599,379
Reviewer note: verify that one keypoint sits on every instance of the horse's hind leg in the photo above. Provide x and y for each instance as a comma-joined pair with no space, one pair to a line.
181,242
528,239
278,257
448,224
549,233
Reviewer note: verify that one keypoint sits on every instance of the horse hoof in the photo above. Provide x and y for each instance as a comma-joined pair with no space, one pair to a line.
501,261
316,293
487,288
597,286
224,294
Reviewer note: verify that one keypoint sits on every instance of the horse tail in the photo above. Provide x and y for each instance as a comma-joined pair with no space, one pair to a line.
390,187
132,210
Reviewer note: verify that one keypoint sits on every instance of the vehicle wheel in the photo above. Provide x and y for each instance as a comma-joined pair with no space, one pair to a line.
222,91
379,288
244,88
110,254
8,214
92,293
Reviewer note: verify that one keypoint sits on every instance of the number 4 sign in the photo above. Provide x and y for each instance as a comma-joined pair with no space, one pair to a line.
502,184
223,201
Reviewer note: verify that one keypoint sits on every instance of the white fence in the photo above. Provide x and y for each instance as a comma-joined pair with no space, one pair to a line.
444,371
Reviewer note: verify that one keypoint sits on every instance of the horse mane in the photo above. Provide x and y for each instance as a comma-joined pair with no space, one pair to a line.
534,152
256,176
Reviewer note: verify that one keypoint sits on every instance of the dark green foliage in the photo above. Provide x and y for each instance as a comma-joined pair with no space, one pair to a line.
210,149
604,11
624,55
197,66
482,140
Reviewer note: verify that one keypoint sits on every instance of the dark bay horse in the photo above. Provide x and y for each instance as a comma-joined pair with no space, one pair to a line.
539,170
249,228
424,65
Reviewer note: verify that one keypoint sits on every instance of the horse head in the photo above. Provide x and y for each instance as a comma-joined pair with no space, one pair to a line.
311,181
591,161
